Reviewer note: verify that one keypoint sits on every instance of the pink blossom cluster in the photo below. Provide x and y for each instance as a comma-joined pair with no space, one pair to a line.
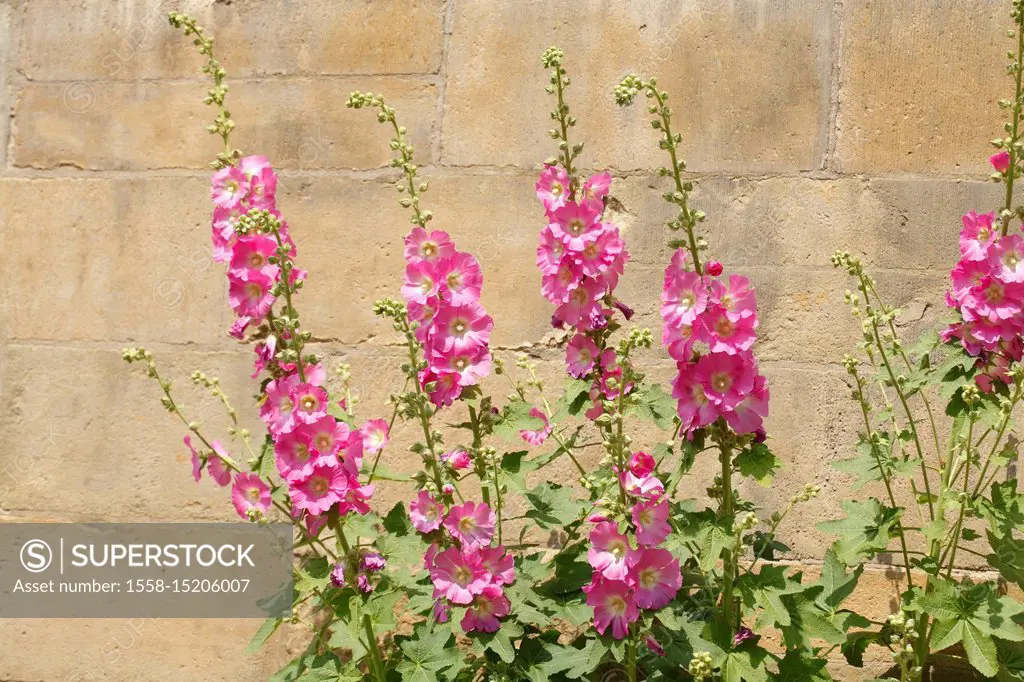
236,190
719,377
988,292
581,258
442,291
465,569
627,578
317,456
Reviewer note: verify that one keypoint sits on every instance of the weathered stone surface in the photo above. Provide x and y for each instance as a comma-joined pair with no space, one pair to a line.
88,437
920,81
300,123
133,649
891,223
742,97
125,40
7,53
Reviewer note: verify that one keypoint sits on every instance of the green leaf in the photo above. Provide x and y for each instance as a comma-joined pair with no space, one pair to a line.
515,418
866,530
265,632
552,506
981,650
427,654
765,590
800,666
713,540
809,621
572,662
314,574
837,584
323,668
502,642
759,463
653,404
744,664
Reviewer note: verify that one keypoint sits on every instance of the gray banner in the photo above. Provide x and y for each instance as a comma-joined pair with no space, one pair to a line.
154,570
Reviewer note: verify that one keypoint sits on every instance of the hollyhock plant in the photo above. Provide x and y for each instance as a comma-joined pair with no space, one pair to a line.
945,482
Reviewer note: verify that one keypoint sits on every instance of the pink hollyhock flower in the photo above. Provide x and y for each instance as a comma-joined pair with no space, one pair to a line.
694,408
552,187
654,646
558,286
217,468
677,267
425,513
993,301
742,635
580,355
748,415
685,297
420,282
441,611
458,576
610,553
250,255
582,305
428,246
253,165
600,254
459,278
428,556
222,233
737,298
264,355
250,495
713,268
614,606
338,575
537,437
595,189
322,489
197,462
1000,161
446,388
977,235
292,454
310,403
1009,252
499,564
656,578
724,334
251,297
448,489
468,366
457,459
651,521
471,524
549,252
238,327
461,328
576,225
725,378
678,341
645,487
641,464
487,607
373,562
967,275
326,436
229,186
262,189
423,314
314,522
375,435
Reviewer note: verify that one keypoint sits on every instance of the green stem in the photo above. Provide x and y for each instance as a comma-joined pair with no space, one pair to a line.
376,662
1015,125
685,214
728,568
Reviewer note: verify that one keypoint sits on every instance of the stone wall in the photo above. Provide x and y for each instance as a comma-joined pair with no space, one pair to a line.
809,125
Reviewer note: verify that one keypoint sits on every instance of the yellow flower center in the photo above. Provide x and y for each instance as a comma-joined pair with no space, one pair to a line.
309,403
576,227
253,494
319,485
648,578
721,382
256,259
428,249
616,604
463,575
